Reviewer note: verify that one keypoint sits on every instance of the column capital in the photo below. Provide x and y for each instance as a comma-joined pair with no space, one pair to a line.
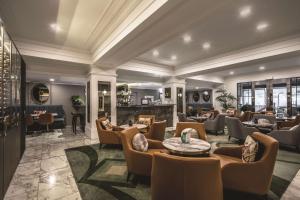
174,80
96,70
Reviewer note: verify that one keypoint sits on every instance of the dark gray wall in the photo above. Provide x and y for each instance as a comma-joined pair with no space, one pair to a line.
141,93
59,95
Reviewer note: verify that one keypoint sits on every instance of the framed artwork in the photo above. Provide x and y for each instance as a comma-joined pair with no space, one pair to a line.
167,93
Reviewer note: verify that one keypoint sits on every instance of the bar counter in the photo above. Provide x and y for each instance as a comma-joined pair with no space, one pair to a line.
161,112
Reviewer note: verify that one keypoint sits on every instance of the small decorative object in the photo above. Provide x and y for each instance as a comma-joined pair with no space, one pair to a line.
130,123
185,136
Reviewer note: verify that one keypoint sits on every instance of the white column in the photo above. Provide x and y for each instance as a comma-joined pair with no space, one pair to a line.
174,83
94,76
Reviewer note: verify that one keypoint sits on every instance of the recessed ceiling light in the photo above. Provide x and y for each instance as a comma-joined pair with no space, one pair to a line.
262,26
155,53
173,57
231,73
206,45
55,27
245,11
262,67
187,38
52,79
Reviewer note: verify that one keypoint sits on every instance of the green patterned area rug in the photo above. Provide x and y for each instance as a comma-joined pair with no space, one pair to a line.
101,174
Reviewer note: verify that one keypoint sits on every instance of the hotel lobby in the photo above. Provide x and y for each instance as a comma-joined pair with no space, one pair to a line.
149,99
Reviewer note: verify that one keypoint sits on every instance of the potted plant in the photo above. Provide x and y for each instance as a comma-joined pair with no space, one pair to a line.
77,102
225,98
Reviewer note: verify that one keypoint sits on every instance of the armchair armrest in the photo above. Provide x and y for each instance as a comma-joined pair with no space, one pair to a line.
230,151
117,128
155,144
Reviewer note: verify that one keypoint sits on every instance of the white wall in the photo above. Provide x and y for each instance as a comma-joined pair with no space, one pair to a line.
231,82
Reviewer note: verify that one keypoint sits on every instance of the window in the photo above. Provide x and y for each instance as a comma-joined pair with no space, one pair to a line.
260,99
246,98
280,99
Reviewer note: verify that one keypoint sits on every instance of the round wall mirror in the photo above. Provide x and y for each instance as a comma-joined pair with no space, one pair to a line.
206,96
196,96
40,93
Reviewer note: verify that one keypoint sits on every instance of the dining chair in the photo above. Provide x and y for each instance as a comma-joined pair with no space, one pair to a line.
46,119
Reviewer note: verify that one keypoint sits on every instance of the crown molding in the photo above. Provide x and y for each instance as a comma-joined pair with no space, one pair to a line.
53,52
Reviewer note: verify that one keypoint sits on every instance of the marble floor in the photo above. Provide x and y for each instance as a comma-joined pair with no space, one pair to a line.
44,172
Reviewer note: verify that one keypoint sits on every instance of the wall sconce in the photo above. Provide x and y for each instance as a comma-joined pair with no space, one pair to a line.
104,92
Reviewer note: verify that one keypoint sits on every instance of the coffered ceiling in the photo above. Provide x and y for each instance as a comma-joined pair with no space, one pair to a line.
198,40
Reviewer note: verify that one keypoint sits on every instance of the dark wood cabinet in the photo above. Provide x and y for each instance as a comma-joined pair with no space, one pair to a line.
12,109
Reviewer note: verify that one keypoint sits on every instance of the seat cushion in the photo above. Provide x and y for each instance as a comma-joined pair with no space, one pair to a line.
225,160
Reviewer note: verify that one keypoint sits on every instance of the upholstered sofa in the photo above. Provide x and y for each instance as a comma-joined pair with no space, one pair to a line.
215,125
59,120
182,118
288,136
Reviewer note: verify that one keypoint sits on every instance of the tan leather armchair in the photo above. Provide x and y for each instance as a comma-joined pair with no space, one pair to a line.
195,125
157,131
183,178
108,136
254,177
151,118
138,163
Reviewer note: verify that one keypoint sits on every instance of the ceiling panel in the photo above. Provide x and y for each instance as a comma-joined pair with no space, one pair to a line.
227,32
83,23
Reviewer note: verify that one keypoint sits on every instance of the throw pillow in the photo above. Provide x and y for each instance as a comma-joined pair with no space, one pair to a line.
294,127
146,121
263,121
139,142
250,150
193,133
207,115
106,125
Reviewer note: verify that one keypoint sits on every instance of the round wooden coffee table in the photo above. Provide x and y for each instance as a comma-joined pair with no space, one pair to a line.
138,126
194,148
